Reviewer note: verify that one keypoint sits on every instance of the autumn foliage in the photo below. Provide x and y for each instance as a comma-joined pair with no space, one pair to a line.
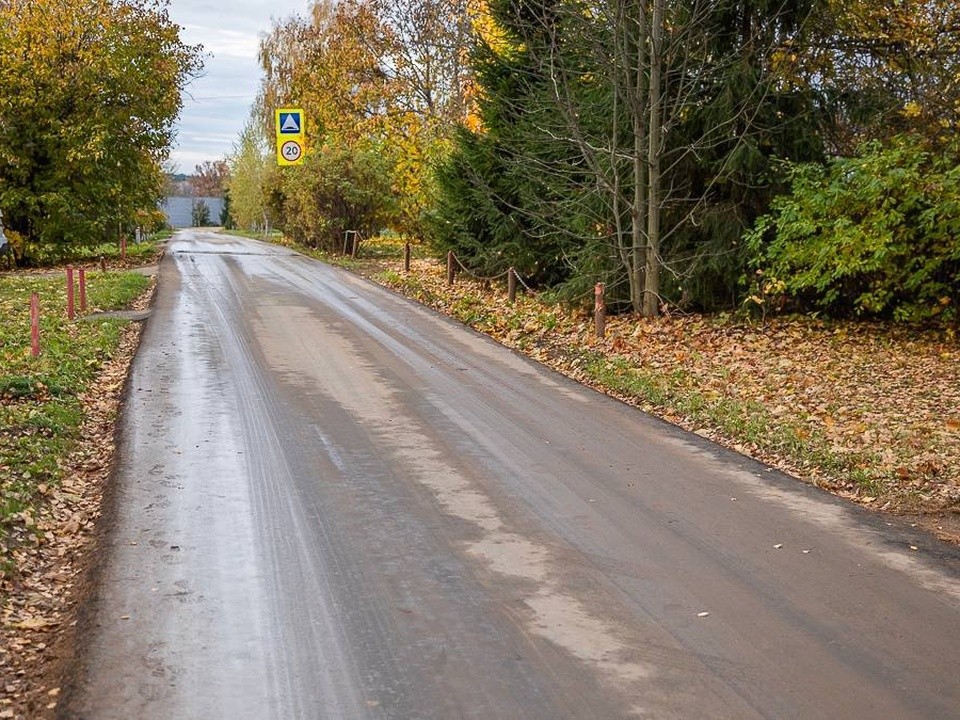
381,84
669,149
876,234
89,93
614,133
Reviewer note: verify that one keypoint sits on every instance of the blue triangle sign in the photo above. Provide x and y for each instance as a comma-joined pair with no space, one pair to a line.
289,123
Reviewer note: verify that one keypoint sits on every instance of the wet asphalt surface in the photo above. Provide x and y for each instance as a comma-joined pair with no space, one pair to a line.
332,503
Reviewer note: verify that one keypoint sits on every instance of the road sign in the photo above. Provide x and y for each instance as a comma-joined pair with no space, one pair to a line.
290,123
291,150
291,136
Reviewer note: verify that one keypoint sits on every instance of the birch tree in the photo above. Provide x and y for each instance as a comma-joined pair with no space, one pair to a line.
247,182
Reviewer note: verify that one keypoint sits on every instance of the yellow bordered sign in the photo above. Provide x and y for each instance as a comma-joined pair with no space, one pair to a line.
291,136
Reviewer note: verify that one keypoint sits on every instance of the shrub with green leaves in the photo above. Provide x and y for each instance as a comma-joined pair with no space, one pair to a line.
873,235
338,188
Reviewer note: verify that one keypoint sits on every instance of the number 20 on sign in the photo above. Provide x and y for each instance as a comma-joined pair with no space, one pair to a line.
290,136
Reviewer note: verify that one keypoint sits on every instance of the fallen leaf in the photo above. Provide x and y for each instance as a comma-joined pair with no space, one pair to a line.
35,623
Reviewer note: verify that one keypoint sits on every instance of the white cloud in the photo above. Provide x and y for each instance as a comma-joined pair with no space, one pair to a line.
217,105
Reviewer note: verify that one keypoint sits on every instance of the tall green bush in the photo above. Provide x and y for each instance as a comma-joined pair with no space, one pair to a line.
873,235
338,188
200,214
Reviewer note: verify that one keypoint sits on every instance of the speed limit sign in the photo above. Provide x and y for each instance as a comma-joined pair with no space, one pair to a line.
291,151
291,136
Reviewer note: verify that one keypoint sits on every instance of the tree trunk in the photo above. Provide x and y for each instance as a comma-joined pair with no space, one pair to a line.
651,294
638,109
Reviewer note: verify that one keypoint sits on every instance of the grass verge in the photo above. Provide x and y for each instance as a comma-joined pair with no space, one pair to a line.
746,425
40,398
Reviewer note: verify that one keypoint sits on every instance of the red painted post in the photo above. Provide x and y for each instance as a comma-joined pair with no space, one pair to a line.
82,279
70,311
406,257
450,270
511,285
35,325
599,311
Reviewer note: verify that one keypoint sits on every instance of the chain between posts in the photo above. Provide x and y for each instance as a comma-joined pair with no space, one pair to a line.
506,273
598,291
513,277
524,284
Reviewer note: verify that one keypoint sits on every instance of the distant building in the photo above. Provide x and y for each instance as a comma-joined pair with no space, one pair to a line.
179,210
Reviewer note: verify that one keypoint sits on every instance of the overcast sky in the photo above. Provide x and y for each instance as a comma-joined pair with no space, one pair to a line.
217,105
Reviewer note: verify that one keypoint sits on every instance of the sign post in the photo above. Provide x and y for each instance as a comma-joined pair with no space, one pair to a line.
291,136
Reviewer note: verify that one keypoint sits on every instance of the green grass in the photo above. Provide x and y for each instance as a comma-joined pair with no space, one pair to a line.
272,236
45,257
40,404
144,251
410,285
471,310
745,422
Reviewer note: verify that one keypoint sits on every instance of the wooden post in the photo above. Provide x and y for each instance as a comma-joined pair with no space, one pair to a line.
599,311
70,311
450,269
103,264
406,257
512,285
356,244
82,280
35,325
123,247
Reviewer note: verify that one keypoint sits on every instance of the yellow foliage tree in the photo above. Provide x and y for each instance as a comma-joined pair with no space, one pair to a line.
390,77
89,93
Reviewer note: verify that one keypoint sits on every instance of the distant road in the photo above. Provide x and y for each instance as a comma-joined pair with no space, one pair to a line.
333,503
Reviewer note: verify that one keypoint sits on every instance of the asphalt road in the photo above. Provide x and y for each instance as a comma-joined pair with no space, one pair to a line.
332,503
